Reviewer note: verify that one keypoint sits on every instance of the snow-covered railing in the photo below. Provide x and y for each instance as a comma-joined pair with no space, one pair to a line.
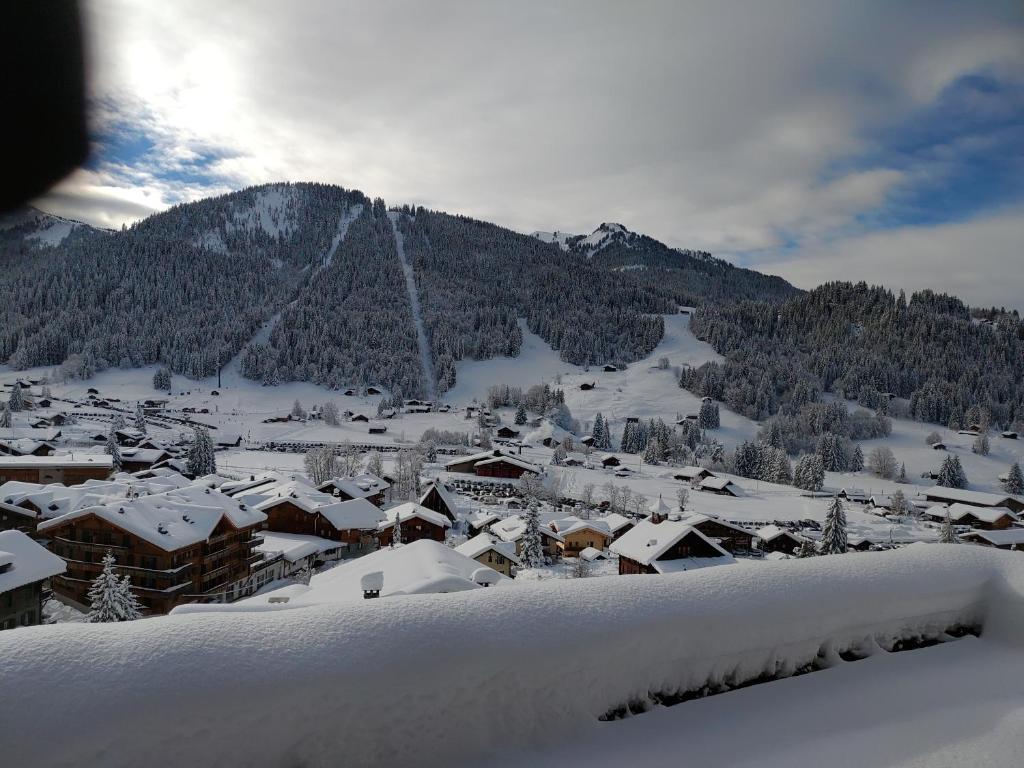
443,679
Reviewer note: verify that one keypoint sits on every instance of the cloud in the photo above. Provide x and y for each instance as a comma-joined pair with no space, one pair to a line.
747,129
978,260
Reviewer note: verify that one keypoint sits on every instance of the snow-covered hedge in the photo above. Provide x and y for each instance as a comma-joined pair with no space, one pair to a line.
442,679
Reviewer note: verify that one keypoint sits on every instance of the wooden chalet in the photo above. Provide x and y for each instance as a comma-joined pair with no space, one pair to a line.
578,534
363,486
513,528
491,551
415,522
1010,538
494,463
440,498
186,545
942,495
772,538
63,468
982,518
24,568
720,485
506,432
732,538
298,508
608,460
667,546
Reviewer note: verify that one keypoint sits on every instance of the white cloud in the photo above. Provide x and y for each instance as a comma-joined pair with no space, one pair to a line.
978,260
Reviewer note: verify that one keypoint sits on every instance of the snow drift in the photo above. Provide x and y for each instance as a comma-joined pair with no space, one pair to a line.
445,679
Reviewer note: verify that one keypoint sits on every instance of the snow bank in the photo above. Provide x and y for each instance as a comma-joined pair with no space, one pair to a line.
443,679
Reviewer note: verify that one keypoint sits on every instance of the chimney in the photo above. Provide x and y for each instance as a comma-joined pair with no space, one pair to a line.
372,584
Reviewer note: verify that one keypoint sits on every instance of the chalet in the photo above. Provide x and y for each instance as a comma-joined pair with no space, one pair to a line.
43,402
579,534
440,498
298,552
720,485
881,501
37,433
17,518
587,439
416,522
24,567
1009,435
732,538
188,544
587,386
297,507
513,528
691,474
589,554
224,438
128,436
668,546
359,417
860,544
609,368
376,429
491,551
507,432
609,460
772,538
364,486
25,447
62,468
1011,538
494,463
942,495
373,391
480,520
139,459
92,391
618,524
984,518
939,446
349,392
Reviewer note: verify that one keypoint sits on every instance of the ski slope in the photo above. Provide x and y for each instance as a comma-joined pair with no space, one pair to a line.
417,313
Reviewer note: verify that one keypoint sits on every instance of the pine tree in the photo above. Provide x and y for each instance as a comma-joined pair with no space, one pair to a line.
951,474
200,459
857,459
601,441
1014,483
16,400
162,379
653,451
533,548
947,535
396,532
520,418
5,417
833,535
111,599
899,504
140,418
902,476
558,456
114,450
708,417
806,549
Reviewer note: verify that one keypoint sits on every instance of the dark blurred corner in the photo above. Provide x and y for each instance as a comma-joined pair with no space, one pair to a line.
42,66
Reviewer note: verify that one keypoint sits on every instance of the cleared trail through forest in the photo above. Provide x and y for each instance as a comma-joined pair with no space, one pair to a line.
417,314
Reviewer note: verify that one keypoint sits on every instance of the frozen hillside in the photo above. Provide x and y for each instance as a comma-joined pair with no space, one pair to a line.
535,667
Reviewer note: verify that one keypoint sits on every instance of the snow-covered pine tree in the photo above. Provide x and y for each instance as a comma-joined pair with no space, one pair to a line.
200,459
533,547
598,433
707,417
396,532
16,400
114,450
947,535
806,549
132,607
951,473
558,455
902,476
140,418
1014,483
833,535
107,596
520,418
899,504
5,417
856,459
162,379
653,451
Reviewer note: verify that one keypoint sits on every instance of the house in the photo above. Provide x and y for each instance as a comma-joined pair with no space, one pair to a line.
416,522
25,447
578,534
140,459
941,495
589,554
224,438
376,429
691,474
617,524
853,494
481,520
359,417
772,538
299,552
939,446
506,432
721,486
587,386
1011,538
128,436
68,469
24,567
732,538
187,544
668,546
297,507
513,528
440,498
985,518
491,551
609,368
609,460
1009,435
881,501
493,463
363,486
373,391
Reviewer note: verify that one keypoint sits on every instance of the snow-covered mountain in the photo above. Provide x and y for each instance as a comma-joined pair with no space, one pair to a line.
32,225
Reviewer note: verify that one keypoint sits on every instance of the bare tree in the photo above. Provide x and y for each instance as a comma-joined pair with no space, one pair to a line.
882,462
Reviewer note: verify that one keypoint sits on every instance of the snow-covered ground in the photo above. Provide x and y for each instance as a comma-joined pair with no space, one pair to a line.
523,674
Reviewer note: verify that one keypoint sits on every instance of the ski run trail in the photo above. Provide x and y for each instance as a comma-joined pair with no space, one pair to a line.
417,314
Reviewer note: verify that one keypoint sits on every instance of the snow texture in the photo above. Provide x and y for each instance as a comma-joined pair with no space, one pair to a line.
509,668
417,313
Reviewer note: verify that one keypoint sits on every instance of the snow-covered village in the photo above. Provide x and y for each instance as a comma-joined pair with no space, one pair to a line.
430,461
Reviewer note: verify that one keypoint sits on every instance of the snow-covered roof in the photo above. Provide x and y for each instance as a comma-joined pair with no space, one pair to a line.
22,561
59,460
481,519
483,542
514,460
648,541
1004,538
54,499
355,513
170,520
569,525
410,510
975,498
720,484
960,511
513,527
590,554
691,473
692,519
617,522
772,532
449,498
294,546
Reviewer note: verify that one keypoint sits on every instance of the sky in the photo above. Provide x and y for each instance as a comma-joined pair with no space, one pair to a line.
816,140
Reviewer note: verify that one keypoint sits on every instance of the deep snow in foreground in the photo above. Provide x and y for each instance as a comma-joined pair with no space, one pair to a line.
451,679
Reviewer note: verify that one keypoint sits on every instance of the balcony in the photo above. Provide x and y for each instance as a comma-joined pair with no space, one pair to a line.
91,546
